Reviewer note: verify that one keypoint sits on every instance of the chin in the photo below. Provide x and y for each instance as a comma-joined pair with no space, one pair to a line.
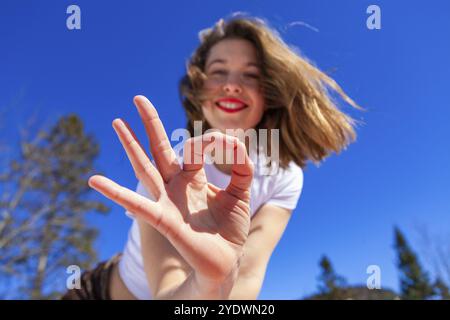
230,125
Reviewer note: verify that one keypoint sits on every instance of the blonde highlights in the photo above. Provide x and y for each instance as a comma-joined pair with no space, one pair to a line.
297,94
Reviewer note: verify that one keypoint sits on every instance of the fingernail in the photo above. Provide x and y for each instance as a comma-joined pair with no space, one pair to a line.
117,123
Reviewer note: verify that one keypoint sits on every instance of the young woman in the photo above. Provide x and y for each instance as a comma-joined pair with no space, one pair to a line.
207,230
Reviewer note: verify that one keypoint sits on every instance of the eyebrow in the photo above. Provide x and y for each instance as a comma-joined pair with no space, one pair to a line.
254,64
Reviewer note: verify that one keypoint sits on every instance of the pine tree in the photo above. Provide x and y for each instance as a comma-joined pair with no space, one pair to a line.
414,282
442,289
43,208
330,283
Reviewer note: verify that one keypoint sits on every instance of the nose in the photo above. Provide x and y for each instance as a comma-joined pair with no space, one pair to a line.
232,86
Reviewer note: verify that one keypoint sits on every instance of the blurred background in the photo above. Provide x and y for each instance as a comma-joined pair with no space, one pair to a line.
380,210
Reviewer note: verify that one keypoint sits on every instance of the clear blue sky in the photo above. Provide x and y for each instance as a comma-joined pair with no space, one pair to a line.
396,173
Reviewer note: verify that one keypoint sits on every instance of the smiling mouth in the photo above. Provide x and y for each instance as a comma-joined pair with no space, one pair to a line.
231,107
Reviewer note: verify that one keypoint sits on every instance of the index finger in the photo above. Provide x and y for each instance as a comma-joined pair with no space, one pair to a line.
165,157
241,165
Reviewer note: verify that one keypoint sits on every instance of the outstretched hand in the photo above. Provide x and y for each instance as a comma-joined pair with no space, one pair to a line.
208,226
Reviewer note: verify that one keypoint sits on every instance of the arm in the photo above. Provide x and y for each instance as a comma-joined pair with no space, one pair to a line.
207,226
267,228
193,288
117,288
167,270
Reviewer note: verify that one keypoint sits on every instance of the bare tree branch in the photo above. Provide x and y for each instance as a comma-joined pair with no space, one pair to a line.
43,204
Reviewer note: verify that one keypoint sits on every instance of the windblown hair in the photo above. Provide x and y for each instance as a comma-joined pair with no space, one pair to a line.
297,94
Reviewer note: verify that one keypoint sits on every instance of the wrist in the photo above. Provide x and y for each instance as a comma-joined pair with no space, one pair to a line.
214,289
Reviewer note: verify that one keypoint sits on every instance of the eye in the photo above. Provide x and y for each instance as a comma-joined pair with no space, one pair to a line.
252,75
220,72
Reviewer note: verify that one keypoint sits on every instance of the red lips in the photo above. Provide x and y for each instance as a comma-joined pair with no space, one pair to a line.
231,100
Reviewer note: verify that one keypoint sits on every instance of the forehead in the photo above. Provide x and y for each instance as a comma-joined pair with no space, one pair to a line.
233,51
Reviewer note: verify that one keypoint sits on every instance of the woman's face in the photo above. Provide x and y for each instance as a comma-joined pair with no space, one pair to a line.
233,86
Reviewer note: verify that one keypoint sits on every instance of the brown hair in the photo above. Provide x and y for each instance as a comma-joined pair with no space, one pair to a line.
296,93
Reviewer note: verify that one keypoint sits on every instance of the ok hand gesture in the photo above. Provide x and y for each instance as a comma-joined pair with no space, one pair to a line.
206,225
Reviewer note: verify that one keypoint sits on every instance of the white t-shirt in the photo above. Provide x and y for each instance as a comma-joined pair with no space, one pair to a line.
282,189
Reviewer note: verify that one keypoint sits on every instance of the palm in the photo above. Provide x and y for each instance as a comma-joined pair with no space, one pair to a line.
208,226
